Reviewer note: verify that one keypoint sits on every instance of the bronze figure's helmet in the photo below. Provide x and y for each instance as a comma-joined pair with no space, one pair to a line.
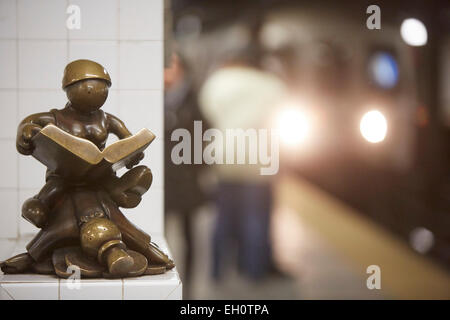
84,69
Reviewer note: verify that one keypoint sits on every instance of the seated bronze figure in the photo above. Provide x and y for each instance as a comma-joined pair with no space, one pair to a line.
77,210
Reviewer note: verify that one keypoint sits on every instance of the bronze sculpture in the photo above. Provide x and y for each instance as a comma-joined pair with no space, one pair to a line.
77,210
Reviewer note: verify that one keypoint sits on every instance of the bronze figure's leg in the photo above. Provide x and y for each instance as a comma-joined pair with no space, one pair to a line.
101,239
36,209
157,257
135,238
127,190
17,264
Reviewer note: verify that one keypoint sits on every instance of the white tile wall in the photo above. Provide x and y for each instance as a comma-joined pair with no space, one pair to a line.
8,107
8,62
147,216
138,288
32,291
41,63
8,227
146,104
42,19
99,19
98,289
8,17
35,100
148,28
4,295
140,65
35,45
31,173
9,161
155,162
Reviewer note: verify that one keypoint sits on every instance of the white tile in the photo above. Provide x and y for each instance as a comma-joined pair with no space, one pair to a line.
8,168
141,20
147,288
149,214
8,218
142,109
21,244
141,65
36,101
28,278
96,289
8,19
8,64
99,19
43,19
4,295
32,291
112,103
6,249
104,52
31,173
41,63
25,227
154,159
176,294
170,276
8,112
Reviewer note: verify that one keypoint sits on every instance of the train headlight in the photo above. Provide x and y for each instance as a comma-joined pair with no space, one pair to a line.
293,126
414,32
373,126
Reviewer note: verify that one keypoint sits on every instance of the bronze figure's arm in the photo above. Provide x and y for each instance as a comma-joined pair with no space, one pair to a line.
29,127
117,127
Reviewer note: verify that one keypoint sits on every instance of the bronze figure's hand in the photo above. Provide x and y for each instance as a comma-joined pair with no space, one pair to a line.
26,133
135,161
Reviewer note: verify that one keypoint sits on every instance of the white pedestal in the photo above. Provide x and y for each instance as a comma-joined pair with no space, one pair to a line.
42,287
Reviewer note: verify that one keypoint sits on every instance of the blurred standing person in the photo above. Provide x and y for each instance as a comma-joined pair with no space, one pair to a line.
238,95
184,194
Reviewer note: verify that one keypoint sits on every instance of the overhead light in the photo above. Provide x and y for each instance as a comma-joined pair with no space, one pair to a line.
414,32
373,126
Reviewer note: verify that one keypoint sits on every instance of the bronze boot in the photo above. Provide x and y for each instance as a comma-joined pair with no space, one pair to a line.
101,239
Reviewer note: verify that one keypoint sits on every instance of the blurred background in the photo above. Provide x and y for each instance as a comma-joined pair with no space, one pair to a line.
364,120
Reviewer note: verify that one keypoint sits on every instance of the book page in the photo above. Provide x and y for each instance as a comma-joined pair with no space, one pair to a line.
121,149
80,147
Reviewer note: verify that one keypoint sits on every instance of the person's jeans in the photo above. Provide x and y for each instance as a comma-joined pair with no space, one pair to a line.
243,220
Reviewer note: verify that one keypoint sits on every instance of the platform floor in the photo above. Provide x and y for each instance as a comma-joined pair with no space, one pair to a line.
323,246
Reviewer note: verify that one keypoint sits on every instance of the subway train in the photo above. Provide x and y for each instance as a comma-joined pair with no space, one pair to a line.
370,111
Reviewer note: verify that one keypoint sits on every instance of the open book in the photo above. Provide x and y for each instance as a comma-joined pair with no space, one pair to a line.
78,158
